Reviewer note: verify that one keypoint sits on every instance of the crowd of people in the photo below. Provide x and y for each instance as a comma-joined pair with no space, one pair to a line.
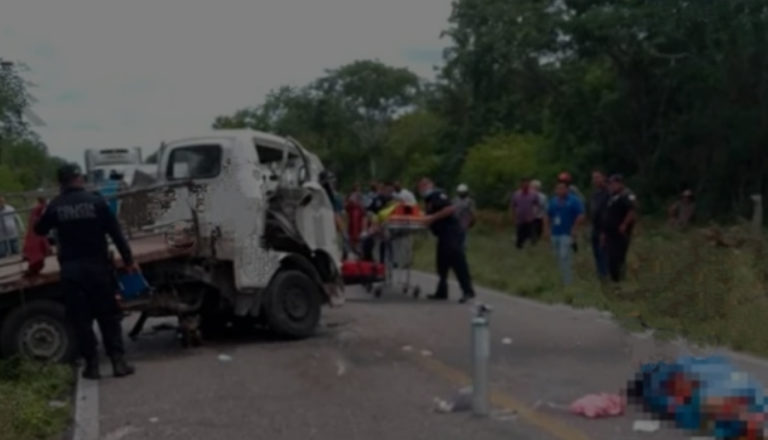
610,214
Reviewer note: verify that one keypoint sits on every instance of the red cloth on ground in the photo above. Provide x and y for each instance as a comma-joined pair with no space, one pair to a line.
36,248
598,405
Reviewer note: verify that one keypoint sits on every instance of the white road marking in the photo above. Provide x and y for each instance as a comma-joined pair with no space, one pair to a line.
86,409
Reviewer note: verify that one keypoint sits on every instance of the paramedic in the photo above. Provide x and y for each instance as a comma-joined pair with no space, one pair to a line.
82,220
445,226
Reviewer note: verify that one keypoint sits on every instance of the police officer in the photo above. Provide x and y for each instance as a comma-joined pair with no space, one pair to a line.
450,238
82,221
618,221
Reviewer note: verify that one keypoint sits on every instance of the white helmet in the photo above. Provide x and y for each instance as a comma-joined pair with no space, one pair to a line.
463,188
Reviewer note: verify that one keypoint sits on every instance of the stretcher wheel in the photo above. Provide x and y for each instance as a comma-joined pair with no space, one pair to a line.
416,292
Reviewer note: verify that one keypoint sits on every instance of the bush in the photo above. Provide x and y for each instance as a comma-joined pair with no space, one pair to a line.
494,167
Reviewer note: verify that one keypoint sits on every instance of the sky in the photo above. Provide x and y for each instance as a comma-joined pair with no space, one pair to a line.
133,73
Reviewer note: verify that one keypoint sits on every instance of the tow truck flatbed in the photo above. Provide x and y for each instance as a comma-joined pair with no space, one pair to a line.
146,249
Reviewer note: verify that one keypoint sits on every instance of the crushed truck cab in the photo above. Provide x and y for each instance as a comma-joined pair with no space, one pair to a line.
236,228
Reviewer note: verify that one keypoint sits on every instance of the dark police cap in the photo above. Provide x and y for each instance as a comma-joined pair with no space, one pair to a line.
67,173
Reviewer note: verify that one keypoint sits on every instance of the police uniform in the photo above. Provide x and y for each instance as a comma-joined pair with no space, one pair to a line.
450,249
82,220
616,242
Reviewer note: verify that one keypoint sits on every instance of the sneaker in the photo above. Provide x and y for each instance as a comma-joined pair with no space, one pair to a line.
121,368
466,298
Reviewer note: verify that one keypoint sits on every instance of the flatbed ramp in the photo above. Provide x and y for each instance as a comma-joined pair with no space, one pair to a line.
145,250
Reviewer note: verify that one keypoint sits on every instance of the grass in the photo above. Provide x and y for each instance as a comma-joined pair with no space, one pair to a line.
678,283
26,392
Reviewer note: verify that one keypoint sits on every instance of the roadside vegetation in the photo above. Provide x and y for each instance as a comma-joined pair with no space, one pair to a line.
706,284
35,399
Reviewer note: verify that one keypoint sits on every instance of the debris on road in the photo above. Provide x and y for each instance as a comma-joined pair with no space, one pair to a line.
506,341
504,415
341,368
442,406
551,405
598,405
407,348
426,353
225,358
461,402
153,420
647,426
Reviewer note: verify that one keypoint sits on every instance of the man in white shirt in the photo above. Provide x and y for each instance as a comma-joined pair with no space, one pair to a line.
404,195
11,228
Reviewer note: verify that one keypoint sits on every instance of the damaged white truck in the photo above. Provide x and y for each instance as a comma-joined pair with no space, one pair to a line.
235,228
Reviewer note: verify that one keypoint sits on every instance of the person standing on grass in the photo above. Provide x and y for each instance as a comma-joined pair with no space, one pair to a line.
404,195
597,205
372,197
441,219
681,213
11,228
523,207
619,220
566,178
541,211
564,214
465,209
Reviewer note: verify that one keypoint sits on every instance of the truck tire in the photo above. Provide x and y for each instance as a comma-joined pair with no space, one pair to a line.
38,330
293,304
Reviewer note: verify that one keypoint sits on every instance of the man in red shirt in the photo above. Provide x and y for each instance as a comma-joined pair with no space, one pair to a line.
524,206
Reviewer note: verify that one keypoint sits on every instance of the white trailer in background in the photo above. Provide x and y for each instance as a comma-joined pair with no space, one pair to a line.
99,164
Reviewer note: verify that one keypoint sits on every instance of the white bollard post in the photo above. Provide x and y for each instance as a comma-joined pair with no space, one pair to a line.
481,353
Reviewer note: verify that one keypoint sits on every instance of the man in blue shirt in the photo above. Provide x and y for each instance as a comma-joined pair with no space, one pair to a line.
109,190
564,214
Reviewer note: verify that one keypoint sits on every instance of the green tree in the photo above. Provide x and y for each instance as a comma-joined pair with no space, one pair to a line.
14,100
344,116
24,160
671,93
412,148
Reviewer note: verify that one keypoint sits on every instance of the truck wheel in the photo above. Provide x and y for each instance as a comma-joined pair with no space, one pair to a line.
292,304
38,330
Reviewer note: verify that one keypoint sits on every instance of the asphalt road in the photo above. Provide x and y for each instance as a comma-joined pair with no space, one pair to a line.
375,369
